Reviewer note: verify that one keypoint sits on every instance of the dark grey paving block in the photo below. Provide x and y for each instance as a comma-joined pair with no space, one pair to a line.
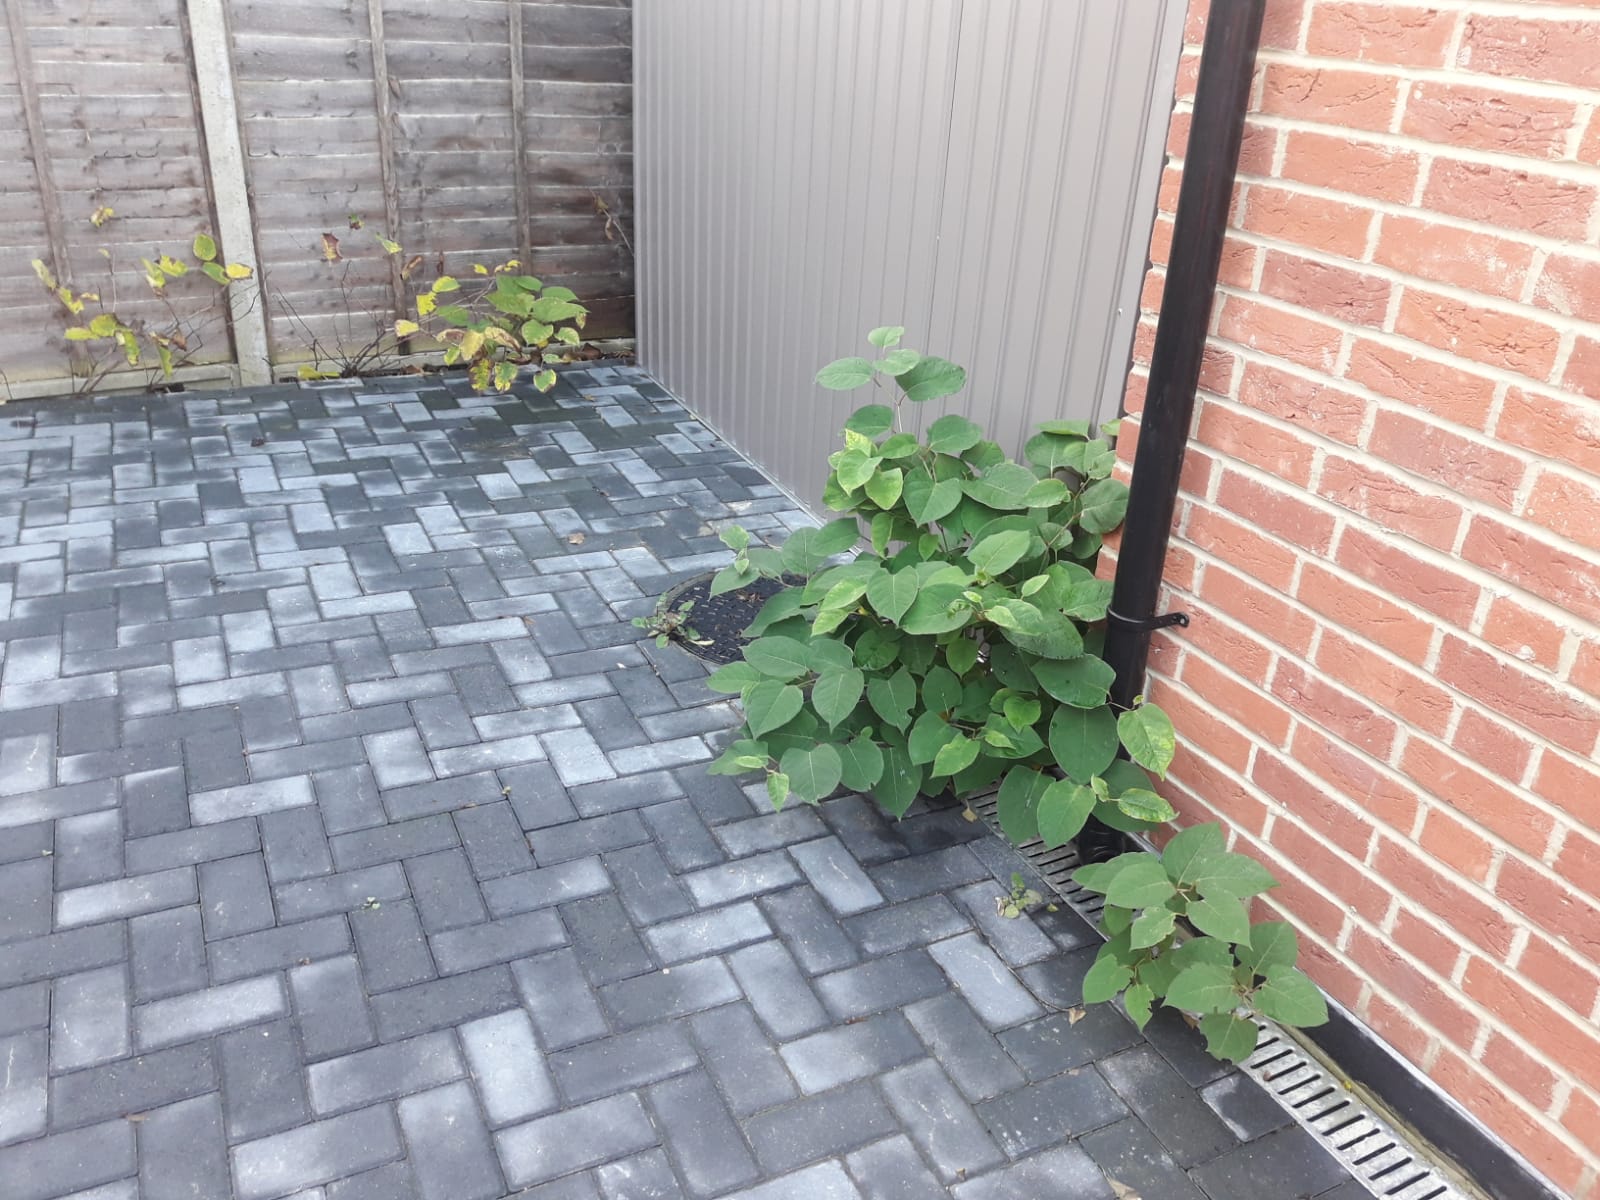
1183,1047
278,948
604,937
316,1153
893,1170
450,1151
824,1126
1016,939
437,1003
392,1181
863,827
330,1007
1044,1114
26,1007
900,926
923,874
1244,1106
681,835
393,842
675,992
966,1049
558,996
295,844
545,886
185,847
1130,1155
489,942
89,849
182,1152
89,1018
881,983
537,797
445,891
1288,1163
262,1080
623,1062
1058,1043
645,884
778,992
1063,1171
340,892
383,1072
133,1085
616,795
549,1147
945,1128
769,831
705,1142
812,933
742,1059
493,839
512,1076
66,1162
391,946
234,897
1156,1093
1058,981
580,839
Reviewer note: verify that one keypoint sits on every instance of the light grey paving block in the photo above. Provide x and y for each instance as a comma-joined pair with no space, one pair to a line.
893,1170
709,932
182,1151
88,849
741,1058
508,1067
704,1140
940,1121
646,1176
330,1007
129,897
451,1154
777,990
250,799
23,1075
832,1057
549,1147
836,875
674,992
1016,939
89,1019
986,982
398,758
1063,1171
383,1072
49,1167
576,756
545,886
301,1158
964,1047
559,999
825,1181
200,1014
743,877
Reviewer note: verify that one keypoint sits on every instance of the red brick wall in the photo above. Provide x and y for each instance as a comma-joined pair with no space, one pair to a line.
1389,535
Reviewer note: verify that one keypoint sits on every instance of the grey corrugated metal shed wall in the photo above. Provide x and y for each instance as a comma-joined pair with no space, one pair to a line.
982,171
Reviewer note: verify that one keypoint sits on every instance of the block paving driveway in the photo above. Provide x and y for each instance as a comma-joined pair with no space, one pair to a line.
353,847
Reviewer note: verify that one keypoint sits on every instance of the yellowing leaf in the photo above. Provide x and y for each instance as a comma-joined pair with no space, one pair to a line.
426,304
205,247
445,283
471,342
239,271
412,264
103,325
330,249
404,329
77,333
44,273
388,246
171,266
479,269
101,215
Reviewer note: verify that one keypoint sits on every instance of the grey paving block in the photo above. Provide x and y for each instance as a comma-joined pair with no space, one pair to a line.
554,989
1183,1048
200,1014
985,981
545,886
836,875
1063,1171
593,835
250,800
576,756
674,992
322,1151
1016,939
942,1124
88,850
437,1003
125,897
474,946
743,877
887,982
277,948
708,932
295,844
263,1080
812,933
391,946
24,1090
383,1073
681,835
901,926
1054,1111
964,1047
392,1181
89,1018
23,1008
182,1151
893,1170
1244,1106
548,1147
1288,1162
445,892
1058,1043
604,937
646,1176
825,1060
133,1085
330,1007
185,847
618,795
824,1126
66,1162
393,841
778,992
25,891
710,1153
450,1151
493,839
512,1076
623,1062
234,896
1058,980
1191,1132
645,884
741,1059
1130,1155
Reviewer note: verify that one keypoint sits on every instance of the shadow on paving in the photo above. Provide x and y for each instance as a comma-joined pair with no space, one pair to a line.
353,848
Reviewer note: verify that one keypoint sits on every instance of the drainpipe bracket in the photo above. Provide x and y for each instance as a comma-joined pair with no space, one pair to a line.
1165,621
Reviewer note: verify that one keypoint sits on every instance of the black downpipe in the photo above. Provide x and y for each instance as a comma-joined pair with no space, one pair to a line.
1216,131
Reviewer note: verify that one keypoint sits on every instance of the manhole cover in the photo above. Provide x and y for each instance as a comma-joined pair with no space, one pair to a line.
719,622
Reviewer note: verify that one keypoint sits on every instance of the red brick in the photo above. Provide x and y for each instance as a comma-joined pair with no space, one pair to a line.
1396,1026
1534,564
1457,845
1518,694
1576,985
1544,900
1567,506
1425,383
1178,134
1188,76
1342,293
1473,468
1249,708
1524,634
1423,941
1279,333
1572,787
1257,150
1486,335
1503,812
1570,285
1234,432
1238,266
1312,804
1390,501
1382,562
1229,538
1583,369
1223,798
1542,1025
1509,198
1365,613
1318,702
1388,686
1307,220
1216,369
1528,1077
1579,863
1340,163
1218,738
1550,51
1582,1116
1381,33
1277,511
1346,99
1502,749
1224,639
1280,26
1585,673
1477,923
1554,428
1487,119
1318,407
1375,791
1352,884
1479,262
1407,983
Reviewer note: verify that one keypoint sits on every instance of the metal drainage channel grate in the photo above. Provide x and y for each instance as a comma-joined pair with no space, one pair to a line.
1349,1129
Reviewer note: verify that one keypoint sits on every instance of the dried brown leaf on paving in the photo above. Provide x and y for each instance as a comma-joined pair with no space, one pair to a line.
1074,1015
576,539
1121,1190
